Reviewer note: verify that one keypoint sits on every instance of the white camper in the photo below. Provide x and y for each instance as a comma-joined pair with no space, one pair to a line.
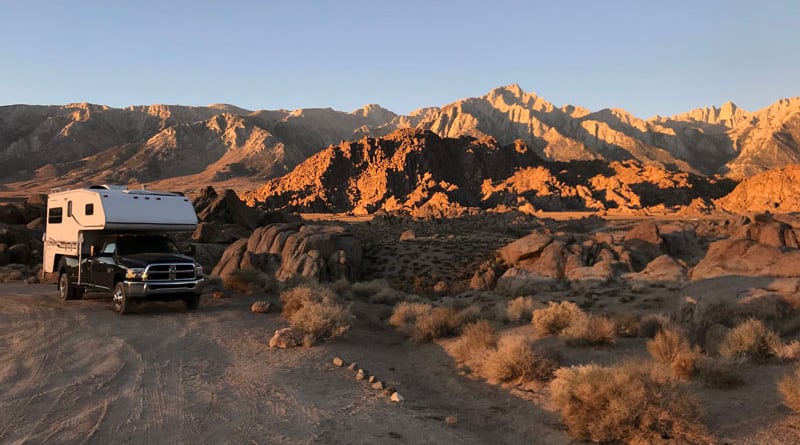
86,228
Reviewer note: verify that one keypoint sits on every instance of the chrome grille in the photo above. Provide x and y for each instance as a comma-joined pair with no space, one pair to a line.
170,272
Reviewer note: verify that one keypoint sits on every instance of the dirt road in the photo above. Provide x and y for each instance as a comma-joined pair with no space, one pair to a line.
76,372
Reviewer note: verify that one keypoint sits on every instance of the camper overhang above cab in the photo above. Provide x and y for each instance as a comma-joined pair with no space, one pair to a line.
117,208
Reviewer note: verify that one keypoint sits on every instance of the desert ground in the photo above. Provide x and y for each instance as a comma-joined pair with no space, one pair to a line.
76,372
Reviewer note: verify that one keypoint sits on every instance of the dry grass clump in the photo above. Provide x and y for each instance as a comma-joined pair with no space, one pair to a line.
249,281
316,312
556,317
650,324
476,340
365,289
670,347
590,330
424,322
516,360
790,351
789,387
751,339
521,309
635,402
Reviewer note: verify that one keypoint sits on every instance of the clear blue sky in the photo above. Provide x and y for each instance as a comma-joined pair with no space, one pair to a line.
649,57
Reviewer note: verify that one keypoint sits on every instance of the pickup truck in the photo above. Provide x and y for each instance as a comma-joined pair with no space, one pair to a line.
135,268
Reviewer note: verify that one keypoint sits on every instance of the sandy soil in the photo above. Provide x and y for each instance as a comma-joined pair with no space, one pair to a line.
75,372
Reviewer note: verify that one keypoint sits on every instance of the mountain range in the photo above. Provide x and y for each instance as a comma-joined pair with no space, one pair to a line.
84,143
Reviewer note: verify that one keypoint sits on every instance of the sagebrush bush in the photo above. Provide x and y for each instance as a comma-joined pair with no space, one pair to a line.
590,330
424,322
751,339
718,373
249,281
516,360
650,324
316,312
789,387
477,338
520,309
556,317
635,402
363,290
670,347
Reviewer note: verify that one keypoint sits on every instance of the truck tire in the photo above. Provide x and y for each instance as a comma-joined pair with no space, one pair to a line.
192,302
67,290
122,304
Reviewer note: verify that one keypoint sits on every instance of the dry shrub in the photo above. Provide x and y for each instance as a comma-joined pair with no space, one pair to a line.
635,402
751,339
387,296
477,338
556,317
365,289
667,345
404,317
651,324
627,324
316,312
343,288
424,322
249,281
439,322
670,347
515,359
789,387
790,351
591,330
521,309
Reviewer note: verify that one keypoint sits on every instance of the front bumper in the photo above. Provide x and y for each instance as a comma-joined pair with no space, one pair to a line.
165,289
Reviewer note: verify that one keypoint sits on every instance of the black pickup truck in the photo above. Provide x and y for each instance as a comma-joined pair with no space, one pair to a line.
134,267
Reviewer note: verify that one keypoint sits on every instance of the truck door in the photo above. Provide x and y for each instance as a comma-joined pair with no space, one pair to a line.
103,266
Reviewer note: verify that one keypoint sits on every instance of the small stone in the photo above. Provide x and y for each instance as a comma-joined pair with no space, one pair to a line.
338,362
361,374
408,235
219,294
396,397
353,366
260,307
285,338
378,385
388,391
372,379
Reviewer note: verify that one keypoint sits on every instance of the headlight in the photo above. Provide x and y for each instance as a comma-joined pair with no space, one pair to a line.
135,274
198,270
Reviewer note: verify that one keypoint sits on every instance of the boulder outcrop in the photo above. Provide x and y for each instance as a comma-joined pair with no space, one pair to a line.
318,252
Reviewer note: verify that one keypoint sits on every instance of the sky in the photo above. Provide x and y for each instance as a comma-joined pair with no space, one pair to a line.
648,57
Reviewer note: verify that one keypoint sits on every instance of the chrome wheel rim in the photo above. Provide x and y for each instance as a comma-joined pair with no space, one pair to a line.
62,285
119,296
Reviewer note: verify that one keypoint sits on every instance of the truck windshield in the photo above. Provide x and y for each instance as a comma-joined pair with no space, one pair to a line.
145,244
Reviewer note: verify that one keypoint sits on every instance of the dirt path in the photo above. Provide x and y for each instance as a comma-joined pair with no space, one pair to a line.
75,372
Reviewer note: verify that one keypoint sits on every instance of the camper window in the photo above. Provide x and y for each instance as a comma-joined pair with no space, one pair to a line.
54,215
89,209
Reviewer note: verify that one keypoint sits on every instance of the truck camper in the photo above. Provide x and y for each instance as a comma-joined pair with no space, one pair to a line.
110,238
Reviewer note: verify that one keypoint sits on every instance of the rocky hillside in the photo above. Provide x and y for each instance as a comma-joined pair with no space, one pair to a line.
82,143
776,190
417,171
44,146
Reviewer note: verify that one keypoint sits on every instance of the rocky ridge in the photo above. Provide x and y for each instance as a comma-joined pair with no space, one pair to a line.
418,172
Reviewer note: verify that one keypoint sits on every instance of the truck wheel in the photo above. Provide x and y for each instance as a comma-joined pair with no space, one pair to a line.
192,302
66,290
122,304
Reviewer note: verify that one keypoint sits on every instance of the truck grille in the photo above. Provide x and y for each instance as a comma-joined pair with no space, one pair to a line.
170,272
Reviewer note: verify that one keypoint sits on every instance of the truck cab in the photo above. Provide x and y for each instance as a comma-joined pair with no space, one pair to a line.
113,239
